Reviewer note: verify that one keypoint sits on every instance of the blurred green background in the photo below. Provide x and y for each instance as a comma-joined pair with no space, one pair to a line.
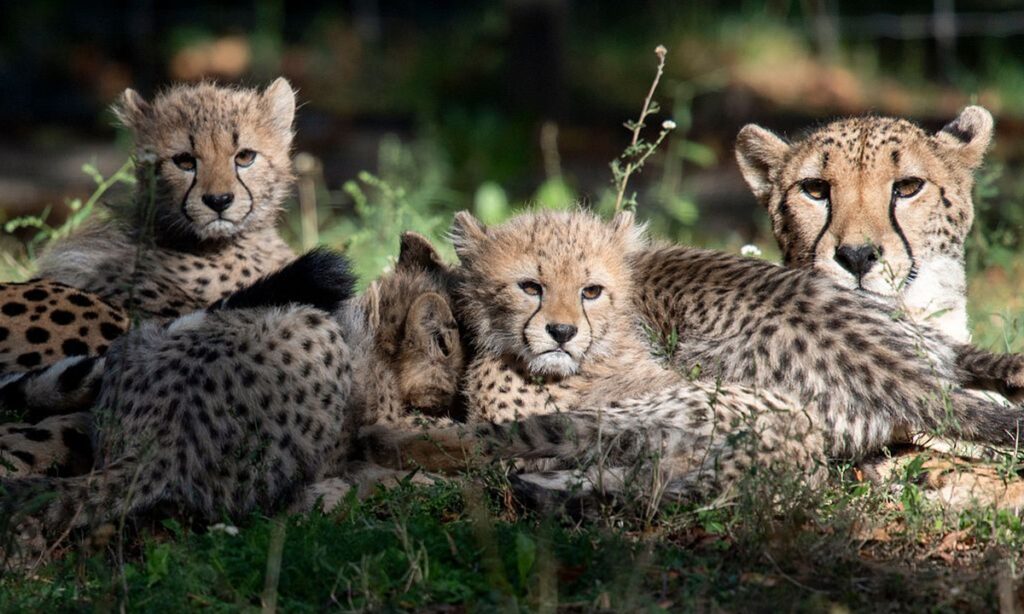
412,110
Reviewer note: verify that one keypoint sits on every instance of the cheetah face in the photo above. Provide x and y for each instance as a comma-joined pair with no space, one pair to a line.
430,360
875,204
547,289
220,156
415,332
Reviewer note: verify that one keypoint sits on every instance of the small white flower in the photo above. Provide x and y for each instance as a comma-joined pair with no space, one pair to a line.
227,529
668,124
750,251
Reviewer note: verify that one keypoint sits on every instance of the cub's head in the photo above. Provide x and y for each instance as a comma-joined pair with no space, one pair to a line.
415,334
873,203
220,156
551,289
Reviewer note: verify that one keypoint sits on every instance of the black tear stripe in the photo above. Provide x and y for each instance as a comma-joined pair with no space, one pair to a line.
824,229
909,279
526,325
192,143
252,201
184,200
590,325
234,137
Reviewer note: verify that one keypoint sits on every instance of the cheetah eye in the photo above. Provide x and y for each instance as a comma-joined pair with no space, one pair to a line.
816,189
592,292
245,158
184,161
531,287
906,188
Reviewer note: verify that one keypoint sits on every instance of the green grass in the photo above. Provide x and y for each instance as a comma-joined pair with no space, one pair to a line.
423,547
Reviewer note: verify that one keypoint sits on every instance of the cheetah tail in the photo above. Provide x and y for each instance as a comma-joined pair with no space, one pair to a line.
319,278
987,421
60,503
68,386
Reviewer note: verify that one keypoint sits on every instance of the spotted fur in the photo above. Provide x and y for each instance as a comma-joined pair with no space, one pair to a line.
45,321
860,377
876,204
235,409
171,252
519,286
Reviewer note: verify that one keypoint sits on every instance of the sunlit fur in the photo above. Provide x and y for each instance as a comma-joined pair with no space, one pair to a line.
919,238
213,125
563,253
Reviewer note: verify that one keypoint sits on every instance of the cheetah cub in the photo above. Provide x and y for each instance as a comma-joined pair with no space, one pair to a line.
561,362
242,406
552,305
213,168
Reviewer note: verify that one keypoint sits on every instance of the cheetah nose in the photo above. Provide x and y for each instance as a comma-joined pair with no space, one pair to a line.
561,332
218,202
858,259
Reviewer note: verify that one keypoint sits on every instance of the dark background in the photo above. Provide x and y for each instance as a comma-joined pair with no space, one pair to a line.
472,83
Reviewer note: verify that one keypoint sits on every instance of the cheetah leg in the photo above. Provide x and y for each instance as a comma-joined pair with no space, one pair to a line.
68,386
697,436
60,445
115,491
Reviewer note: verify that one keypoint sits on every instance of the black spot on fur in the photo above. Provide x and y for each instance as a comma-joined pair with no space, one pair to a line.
4,333
23,456
34,434
30,359
110,331
81,300
320,278
36,294
74,347
13,309
72,377
37,335
59,316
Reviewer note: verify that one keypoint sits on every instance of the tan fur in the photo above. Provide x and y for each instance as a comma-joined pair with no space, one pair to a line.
917,240
172,253
60,445
416,336
603,383
44,321
231,410
832,353
861,159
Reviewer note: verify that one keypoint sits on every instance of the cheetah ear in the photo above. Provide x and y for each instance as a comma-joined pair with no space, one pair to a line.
758,151
466,232
632,233
969,135
278,100
430,325
131,109
416,251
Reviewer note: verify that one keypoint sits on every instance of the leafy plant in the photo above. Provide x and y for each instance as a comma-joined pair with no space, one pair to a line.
45,233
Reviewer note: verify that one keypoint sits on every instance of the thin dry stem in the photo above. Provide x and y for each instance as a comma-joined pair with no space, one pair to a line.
661,52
